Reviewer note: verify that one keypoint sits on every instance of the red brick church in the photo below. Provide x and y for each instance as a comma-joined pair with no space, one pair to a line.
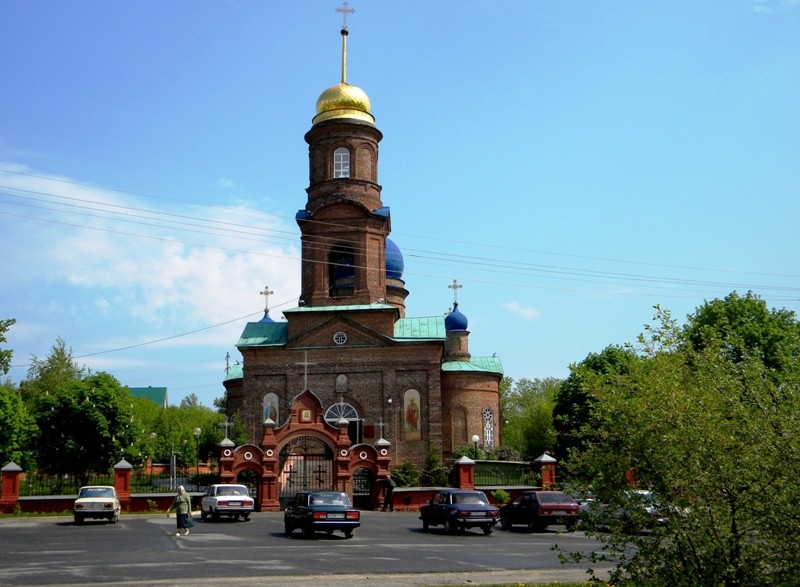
348,386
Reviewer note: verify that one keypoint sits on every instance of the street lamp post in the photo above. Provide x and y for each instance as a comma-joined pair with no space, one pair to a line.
475,439
197,433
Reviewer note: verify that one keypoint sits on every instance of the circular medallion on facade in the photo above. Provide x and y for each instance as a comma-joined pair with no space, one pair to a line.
343,453
248,455
384,452
227,452
270,453
340,337
362,454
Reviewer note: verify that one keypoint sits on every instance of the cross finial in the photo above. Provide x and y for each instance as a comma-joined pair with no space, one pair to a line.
381,424
455,286
227,425
266,292
305,364
345,11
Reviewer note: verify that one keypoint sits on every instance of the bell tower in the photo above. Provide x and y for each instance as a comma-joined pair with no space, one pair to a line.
344,224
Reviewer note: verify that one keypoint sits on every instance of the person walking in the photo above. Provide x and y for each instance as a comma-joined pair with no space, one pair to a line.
388,496
182,504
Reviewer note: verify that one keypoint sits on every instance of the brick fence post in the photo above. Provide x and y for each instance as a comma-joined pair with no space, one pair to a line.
9,493
122,483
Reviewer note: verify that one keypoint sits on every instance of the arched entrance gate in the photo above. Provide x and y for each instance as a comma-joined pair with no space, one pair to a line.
304,453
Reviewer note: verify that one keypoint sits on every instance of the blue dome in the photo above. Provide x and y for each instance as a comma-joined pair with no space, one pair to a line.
455,320
267,318
394,261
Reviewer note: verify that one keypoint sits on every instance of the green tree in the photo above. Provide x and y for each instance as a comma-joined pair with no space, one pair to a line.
527,407
83,426
714,434
44,376
574,402
434,472
743,326
5,354
16,427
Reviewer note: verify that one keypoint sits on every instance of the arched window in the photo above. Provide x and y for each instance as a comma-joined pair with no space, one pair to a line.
341,163
342,410
488,427
270,405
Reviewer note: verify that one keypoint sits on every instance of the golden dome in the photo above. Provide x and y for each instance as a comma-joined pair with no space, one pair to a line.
344,101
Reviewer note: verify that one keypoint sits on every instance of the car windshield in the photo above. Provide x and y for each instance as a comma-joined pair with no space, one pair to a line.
555,497
232,490
470,498
329,499
96,492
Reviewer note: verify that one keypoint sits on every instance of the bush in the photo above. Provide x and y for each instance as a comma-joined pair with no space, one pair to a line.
405,475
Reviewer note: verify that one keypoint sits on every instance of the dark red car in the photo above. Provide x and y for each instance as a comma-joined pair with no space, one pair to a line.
539,509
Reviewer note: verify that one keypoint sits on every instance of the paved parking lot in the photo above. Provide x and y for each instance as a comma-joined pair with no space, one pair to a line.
389,549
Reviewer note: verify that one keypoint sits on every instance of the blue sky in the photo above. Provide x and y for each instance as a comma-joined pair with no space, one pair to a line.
571,163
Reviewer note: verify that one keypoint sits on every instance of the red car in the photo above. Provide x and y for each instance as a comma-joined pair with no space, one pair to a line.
539,509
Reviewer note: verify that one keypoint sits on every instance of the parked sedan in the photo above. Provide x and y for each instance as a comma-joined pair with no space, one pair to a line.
457,510
96,502
226,499
539,509
324,511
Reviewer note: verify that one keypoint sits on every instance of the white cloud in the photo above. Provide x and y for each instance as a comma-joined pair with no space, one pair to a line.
225,183
528,313
145,273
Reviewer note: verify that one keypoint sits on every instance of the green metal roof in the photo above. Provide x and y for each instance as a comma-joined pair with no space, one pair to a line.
264,333
157,395
235,372
431,328
478,364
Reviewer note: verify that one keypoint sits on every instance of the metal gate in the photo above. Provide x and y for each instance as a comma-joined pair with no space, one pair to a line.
306,464
362,489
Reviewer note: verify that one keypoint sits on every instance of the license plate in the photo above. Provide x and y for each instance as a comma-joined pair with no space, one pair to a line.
560,513
335,516
234,503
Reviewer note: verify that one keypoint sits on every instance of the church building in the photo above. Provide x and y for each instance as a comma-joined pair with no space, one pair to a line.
348,386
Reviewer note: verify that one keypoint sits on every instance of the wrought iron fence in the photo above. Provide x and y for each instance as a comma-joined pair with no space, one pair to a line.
35,484
504,473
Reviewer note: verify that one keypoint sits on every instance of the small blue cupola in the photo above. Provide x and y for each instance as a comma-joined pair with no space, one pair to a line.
394,261
455,320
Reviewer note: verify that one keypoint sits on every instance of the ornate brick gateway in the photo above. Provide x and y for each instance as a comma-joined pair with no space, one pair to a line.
306,452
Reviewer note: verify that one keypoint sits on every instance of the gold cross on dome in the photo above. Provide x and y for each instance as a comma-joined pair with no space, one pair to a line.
455,286
266,293
345,11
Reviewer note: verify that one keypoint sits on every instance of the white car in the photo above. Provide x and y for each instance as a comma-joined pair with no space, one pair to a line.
226,499
96,502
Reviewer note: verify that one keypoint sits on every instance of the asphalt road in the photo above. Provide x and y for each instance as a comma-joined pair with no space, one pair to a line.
389,549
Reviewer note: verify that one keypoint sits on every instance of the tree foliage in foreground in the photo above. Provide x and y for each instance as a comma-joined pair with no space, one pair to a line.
715,435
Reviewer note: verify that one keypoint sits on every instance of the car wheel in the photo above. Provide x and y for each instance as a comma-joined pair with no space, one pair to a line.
424,526
450,526
487,529
348,533
246,518
203,514
215,515
115,518
287,530
506,524
78,519
308,531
